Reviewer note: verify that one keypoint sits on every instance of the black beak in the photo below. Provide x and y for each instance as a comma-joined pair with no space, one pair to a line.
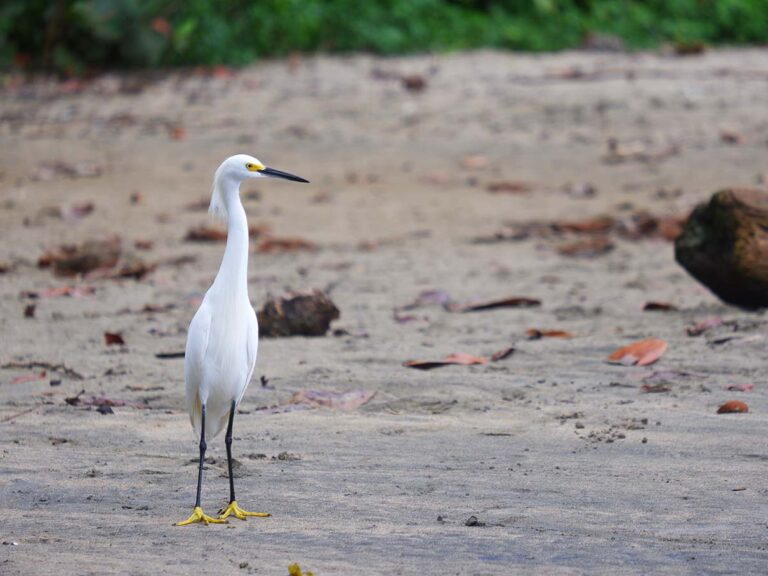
272,173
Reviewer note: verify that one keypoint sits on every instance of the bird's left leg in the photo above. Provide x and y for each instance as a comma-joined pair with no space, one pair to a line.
197,514
233,508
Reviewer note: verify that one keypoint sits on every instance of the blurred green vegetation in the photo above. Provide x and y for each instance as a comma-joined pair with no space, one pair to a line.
75,36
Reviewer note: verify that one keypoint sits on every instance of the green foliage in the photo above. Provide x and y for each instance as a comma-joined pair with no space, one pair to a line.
75,35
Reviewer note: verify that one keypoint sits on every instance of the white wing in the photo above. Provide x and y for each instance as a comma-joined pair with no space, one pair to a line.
194,356
252,346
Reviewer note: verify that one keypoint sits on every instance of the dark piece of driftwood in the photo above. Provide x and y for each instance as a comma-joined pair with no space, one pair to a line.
724,245
297,314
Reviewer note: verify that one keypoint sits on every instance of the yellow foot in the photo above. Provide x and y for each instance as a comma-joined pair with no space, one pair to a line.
238,512
199,516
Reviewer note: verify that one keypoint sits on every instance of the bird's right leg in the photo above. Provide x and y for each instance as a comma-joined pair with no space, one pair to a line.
197,514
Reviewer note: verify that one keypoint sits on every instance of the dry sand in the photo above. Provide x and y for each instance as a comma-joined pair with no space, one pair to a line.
568,467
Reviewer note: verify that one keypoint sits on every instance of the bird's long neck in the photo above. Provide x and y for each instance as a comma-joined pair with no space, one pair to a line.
232,278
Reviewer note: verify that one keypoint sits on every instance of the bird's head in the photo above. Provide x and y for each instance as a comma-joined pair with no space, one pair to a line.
243,167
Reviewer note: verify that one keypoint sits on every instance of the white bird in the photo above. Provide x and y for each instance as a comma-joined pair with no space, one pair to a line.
223,335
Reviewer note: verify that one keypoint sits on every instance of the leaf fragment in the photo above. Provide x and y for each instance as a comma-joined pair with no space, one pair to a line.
641,353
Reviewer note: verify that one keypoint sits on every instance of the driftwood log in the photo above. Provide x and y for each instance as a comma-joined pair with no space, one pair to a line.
724,245
297,314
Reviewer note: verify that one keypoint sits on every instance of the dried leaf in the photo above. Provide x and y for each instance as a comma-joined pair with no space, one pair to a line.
502,354
587,248
739,387
459,358
58,291
101,401
414,82
330,399
70,260
731,137
29,378
536,334
642,353
474,162
733,406
509,187
596,225
655,388
76,211
429,298
272,244
511,302
112,338
700,327
659,307
143,244
206,233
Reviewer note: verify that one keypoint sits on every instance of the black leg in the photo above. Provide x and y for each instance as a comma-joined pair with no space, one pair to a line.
202,459
228,442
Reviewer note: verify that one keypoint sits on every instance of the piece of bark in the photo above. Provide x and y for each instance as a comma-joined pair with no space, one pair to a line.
724,245
297,314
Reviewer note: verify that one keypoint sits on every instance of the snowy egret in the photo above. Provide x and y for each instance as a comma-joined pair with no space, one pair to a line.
223,335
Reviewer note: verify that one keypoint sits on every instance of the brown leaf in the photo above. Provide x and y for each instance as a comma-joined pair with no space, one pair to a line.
176,132
101,401
59,291
536,334
206,233
642,352
459,358
70,260
76,211
509,187
739,387
587,248
111,338
272,244
731,137
143,244
414,82
700,327
512,302
733,406
502,354
595,225
474,162
330,399
655,388
659,307
29,378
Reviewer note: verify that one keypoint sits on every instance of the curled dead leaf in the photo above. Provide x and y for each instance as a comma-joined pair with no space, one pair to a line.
112,338
509,187
659,307
272,245
739,387
70,260
206,233
511,302
502,354
452,359
536,334
733,407
700,327
642,352
29,378
587,248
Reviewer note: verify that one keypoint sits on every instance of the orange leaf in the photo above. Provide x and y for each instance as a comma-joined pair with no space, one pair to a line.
460,358
29,378
536,334
733,406
206,233
270,244
642,352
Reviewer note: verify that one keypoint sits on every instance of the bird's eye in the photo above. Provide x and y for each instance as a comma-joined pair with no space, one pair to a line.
249,166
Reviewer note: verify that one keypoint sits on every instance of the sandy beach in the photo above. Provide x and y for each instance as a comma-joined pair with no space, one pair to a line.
424,171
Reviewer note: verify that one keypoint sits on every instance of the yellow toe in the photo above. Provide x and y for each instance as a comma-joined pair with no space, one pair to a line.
199,516
238,512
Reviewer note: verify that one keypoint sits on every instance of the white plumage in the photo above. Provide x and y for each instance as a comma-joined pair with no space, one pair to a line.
223,336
